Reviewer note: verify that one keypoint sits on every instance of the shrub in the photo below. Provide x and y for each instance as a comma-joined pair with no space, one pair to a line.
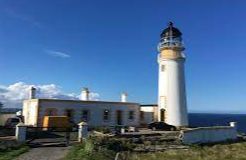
96,148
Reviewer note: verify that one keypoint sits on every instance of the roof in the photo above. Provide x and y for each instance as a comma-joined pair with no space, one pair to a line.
80,101
171,31
147,105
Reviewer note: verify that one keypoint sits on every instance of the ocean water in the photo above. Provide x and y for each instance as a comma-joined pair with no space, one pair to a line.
207,119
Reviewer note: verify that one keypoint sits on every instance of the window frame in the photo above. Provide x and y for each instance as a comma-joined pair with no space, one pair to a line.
85,117
131,115
108,115
163,68
72,113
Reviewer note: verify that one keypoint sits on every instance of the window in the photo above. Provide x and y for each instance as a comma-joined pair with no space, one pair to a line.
106,114
85,115
131,115
50,112
69,114
163,102
162,115
162,68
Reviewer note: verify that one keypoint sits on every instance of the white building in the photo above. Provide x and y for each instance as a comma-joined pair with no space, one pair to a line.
95,113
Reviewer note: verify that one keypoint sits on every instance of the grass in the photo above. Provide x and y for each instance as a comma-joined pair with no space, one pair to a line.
98,148
11,153
94,149
235,151
86,151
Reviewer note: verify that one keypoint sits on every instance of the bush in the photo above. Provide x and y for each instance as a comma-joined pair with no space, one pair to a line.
86,151
99,148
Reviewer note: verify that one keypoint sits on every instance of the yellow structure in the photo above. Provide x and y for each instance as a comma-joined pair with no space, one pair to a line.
56,121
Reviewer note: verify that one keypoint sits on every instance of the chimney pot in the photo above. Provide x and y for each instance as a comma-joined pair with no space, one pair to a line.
85,94
124,97
32,94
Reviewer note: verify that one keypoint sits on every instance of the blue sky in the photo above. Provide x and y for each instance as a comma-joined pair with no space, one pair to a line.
110,47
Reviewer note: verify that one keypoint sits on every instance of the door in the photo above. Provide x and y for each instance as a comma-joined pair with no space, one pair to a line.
69,113
119,117
162,115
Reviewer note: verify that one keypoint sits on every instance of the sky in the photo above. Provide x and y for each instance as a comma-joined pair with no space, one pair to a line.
110,46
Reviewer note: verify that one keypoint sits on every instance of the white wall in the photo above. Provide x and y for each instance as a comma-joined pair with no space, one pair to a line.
30,111
96,110
208,135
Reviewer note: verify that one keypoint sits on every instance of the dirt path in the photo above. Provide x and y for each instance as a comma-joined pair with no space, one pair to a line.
45,153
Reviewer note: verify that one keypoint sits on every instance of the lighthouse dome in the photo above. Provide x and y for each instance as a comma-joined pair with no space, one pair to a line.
171,37
171,31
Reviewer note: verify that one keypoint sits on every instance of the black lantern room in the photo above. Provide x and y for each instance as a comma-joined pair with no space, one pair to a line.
171,38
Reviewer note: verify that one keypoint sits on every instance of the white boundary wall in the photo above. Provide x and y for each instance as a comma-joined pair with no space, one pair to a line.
208,134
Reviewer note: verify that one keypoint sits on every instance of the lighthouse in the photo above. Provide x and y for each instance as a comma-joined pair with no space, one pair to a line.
172,107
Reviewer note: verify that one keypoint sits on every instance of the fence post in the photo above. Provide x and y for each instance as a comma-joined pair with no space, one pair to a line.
83,131
20,132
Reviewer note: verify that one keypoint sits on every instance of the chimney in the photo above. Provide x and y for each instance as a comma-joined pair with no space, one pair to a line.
32,93
124,97
85,94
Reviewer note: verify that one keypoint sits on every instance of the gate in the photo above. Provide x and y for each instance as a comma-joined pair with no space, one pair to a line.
43,136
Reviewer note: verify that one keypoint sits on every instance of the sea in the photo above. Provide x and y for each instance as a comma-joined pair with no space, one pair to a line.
210,119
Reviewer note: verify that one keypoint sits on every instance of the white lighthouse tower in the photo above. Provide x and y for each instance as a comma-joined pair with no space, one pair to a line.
172,107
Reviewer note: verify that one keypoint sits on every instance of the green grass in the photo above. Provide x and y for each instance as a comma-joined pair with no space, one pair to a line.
11,153
86,151
98,148
236,151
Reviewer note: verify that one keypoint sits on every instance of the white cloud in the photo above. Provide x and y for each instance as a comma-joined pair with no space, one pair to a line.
23,17
94,96
57,54
13,95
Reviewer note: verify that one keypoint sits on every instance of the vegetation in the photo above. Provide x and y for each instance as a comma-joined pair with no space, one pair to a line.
234,151
86,151
11,153
99,148
106,149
